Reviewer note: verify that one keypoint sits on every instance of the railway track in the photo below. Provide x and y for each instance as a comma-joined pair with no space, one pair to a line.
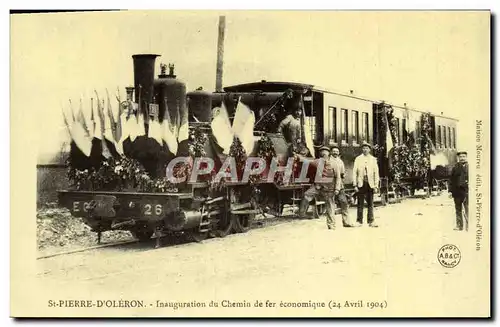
258,223
264,221
84,249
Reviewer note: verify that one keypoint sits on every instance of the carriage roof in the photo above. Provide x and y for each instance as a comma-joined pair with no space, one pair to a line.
279,86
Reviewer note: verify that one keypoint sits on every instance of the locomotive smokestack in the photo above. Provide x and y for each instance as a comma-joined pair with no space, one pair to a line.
220,54
144,74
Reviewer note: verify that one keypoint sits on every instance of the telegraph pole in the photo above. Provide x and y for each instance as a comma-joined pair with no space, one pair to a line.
220,54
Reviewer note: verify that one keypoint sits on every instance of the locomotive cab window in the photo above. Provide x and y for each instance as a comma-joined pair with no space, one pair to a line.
344,130
355,127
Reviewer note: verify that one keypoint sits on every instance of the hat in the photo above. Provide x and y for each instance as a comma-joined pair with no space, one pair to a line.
461,152
366,144
324,147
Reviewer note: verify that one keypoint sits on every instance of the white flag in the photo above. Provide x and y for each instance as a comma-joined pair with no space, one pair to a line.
77,134
168,136
154,131
141,130
132,127
243,126
81,138
97,122
221,128
183,132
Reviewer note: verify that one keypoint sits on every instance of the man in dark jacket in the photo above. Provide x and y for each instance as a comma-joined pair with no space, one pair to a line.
459,189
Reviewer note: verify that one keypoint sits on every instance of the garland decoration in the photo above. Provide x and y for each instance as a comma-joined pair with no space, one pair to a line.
126,173
412,158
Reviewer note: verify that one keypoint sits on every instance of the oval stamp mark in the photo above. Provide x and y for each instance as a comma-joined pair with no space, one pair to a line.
449,256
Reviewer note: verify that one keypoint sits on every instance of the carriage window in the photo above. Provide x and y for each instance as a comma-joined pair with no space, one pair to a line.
449,137
417,129
445,144
438,139
343,126
332,123
454,138
355,126
405,132
366,127
397,131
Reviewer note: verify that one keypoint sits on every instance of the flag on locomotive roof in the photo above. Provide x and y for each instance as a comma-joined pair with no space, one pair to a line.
243,126
221,128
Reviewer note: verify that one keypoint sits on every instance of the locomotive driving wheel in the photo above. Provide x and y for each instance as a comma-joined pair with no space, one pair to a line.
225,224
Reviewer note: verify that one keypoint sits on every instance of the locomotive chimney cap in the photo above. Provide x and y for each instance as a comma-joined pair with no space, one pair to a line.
139,55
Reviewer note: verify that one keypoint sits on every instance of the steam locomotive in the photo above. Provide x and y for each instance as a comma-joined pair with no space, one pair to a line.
198,211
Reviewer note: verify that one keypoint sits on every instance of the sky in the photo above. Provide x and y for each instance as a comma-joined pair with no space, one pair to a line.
433,61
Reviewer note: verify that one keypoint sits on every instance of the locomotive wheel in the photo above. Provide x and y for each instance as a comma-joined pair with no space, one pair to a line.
243,223
226,230
194,235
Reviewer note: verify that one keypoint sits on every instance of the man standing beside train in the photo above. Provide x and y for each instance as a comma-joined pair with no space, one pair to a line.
459,188
326,189
340,196
366,180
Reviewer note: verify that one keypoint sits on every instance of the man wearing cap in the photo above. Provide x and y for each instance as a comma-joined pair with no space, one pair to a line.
366,180
326,186
340,196
459,188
